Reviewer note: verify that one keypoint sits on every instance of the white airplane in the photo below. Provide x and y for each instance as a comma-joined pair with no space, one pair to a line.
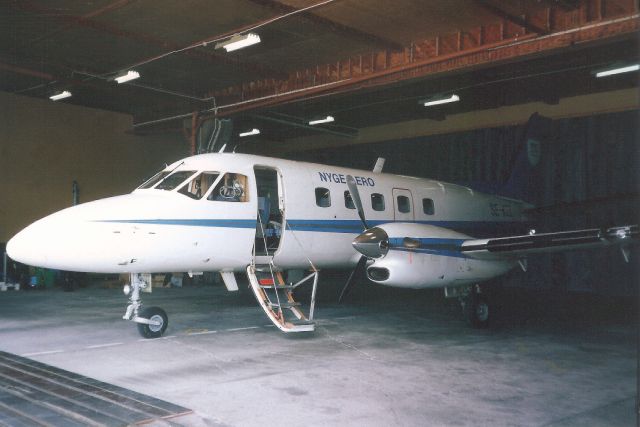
231,213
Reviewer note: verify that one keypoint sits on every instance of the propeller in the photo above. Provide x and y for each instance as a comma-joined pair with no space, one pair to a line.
357,271
362,262
355,196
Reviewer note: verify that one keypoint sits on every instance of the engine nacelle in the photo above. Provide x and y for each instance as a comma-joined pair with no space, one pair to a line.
427,256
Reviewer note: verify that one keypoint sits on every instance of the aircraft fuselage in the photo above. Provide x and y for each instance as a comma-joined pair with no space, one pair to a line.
222,209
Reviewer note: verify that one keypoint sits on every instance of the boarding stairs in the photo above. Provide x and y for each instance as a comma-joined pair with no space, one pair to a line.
276,297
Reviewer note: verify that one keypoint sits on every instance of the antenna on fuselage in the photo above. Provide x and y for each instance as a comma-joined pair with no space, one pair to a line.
379,165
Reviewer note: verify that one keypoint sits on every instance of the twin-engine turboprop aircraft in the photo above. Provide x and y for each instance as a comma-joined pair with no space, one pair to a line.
235,212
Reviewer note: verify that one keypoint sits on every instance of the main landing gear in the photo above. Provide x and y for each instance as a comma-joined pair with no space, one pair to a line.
152,321
475,305
475,308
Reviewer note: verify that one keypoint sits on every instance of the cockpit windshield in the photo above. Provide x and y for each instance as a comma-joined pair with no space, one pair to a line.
154,179
173,180
199,185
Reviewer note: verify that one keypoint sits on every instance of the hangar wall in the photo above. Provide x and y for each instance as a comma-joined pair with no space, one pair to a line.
44,146
590,170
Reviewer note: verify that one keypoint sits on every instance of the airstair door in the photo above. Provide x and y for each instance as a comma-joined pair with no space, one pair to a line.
402,205
270,211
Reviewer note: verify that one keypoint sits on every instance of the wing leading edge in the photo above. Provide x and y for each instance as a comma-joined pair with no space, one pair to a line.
517,246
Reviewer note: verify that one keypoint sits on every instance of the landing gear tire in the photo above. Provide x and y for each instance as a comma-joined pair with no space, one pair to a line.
155,314
476,311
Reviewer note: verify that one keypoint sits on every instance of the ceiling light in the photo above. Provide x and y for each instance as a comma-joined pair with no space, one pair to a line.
253,131
239,41
61,95
327,119
440,100
130,75
618,70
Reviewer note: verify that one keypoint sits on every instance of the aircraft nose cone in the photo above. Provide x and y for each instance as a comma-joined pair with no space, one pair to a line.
373,243
25,246
54,241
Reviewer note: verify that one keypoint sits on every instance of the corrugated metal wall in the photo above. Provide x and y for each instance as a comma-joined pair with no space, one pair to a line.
589,173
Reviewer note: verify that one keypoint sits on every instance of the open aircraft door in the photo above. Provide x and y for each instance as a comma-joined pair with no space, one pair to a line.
402,205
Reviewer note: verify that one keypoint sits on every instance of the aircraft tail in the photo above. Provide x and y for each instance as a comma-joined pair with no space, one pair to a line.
525,182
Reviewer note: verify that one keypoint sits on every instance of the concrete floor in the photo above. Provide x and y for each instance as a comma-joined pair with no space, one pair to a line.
385,358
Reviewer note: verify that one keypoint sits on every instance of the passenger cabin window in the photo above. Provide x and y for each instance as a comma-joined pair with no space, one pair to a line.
348,200
154,179
427,206
232,187
198,186
377,202
173,180
323,197
404,205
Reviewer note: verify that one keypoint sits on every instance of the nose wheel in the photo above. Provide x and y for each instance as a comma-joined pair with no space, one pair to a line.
158,322
152,321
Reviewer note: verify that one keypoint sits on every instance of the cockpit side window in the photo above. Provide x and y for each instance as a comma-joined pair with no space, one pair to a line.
154,179
173,180
231,188
199,185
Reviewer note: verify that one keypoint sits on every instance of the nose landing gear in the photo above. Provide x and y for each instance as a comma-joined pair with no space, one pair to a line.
152,321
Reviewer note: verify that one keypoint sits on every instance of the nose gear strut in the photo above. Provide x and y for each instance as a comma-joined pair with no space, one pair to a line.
152,321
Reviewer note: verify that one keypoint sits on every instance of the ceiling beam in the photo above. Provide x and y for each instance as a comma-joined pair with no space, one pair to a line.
27,72
147,39
520,21
518,47
337,27
118,4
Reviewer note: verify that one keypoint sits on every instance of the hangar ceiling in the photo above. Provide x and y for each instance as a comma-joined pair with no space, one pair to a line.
365,62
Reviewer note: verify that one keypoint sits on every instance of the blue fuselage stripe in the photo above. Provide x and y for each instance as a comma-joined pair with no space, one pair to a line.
476,229
436,246
222,223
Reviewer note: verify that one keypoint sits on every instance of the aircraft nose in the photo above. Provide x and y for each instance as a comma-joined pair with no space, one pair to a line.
373,243
15,247
25,247
58,241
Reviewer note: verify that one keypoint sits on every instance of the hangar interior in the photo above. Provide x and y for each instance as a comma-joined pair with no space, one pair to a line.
371,66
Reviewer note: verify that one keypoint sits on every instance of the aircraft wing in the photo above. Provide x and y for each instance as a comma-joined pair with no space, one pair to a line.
517,246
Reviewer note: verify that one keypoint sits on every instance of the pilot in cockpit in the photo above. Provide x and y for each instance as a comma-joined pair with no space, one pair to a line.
231,189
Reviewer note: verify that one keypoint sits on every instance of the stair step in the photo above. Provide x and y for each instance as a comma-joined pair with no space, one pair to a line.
266,268
301,326
285,304
302,322
272,286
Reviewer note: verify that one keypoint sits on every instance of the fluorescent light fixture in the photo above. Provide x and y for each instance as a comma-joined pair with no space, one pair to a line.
253,131
239,41
131,75
327,119
618,70
62,95
438,101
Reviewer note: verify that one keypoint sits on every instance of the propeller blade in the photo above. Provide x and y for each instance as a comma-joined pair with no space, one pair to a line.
355,196
351,280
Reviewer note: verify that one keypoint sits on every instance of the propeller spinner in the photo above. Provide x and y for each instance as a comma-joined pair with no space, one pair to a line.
373,243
